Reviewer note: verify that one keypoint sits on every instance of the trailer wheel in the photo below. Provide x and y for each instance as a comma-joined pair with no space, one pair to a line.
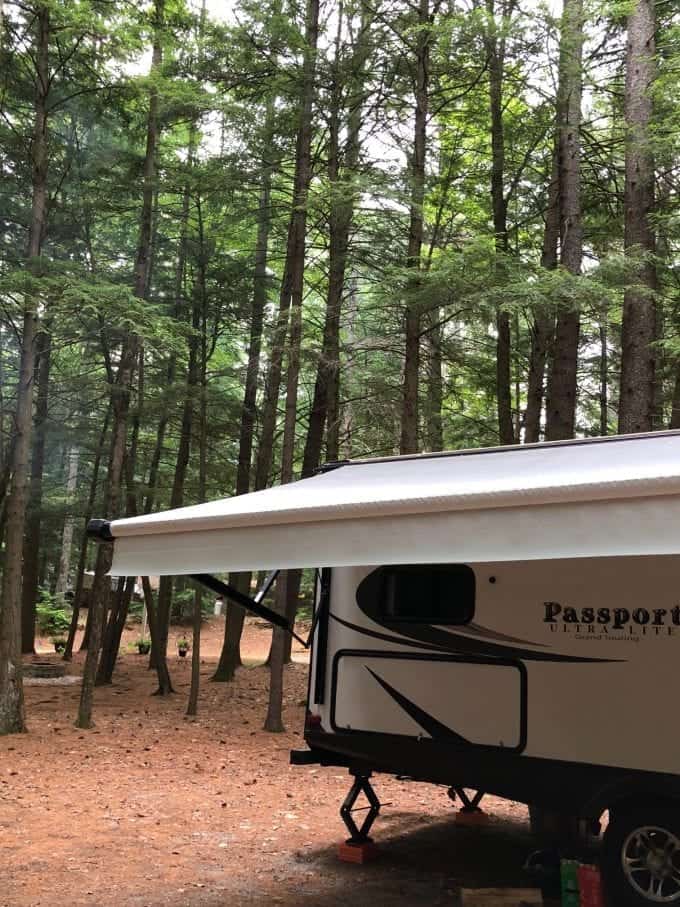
553,829
537,818
641,856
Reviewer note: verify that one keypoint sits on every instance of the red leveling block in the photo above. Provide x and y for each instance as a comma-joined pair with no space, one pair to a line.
359,848
470,812
474,816
357,852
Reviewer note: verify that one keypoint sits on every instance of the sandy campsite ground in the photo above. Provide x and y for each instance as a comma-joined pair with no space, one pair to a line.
150,808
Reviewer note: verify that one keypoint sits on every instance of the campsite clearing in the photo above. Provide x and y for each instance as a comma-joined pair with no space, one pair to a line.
151,809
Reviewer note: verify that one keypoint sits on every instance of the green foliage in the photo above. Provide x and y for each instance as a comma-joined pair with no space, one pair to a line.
51,619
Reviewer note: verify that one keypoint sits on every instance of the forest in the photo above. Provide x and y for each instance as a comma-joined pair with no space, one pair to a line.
241,239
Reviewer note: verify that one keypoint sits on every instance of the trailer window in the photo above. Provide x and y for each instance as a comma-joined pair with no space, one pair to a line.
428,594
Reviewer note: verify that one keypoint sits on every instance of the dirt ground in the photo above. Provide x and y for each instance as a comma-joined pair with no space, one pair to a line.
151,808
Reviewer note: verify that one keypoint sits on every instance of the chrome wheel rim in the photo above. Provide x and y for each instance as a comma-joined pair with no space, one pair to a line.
650,858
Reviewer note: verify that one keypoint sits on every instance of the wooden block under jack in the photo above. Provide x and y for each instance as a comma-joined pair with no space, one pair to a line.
471,817
357,853
501,897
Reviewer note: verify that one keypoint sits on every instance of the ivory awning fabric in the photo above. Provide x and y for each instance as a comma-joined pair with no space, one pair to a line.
615,496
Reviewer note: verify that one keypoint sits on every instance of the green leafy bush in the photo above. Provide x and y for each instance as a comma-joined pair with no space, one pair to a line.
51,620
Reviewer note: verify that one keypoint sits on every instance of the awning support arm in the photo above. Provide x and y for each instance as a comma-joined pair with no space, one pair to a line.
254,605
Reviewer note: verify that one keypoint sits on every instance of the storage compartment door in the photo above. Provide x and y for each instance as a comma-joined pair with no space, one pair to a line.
450,699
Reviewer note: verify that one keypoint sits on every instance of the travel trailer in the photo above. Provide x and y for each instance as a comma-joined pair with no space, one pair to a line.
504,620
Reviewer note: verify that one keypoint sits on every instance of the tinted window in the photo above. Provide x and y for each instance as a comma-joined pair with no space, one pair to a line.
427,594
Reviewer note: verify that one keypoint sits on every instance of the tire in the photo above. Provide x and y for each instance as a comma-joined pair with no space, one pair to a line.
641,856
552,829
537,822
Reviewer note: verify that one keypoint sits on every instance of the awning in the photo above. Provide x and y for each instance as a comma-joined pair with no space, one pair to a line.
618,496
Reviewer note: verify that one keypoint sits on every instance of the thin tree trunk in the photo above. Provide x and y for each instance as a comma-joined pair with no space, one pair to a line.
495,47
117,616
274,720
162,672
69,525
543,326
604,367
295,265
114,632
32,547
270,405
184,448
192,705
261,281
409,409
562,381
435,382
12,718
121,390
636,400
343,418
202,438
342,203
675,411
82,559
230,656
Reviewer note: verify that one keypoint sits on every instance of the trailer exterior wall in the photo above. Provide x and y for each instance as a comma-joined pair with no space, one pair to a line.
598,696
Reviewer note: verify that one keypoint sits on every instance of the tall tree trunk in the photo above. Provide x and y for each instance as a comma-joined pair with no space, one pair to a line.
636,402
561,396
12,718
184,448
121,390
290,300
32,546
342,203
543,325
230,656
296,266
495,49
409,405
202,439
69,525
261,282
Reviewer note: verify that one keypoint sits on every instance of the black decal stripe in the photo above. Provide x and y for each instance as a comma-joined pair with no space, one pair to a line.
467,646
486,633
396,640
430,725
454,642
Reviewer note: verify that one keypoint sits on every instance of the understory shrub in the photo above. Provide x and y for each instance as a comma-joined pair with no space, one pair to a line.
51,620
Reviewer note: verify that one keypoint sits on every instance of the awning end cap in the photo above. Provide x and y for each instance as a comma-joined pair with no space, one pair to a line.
100,530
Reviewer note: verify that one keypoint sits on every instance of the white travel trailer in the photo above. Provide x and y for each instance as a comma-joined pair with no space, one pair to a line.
506,620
